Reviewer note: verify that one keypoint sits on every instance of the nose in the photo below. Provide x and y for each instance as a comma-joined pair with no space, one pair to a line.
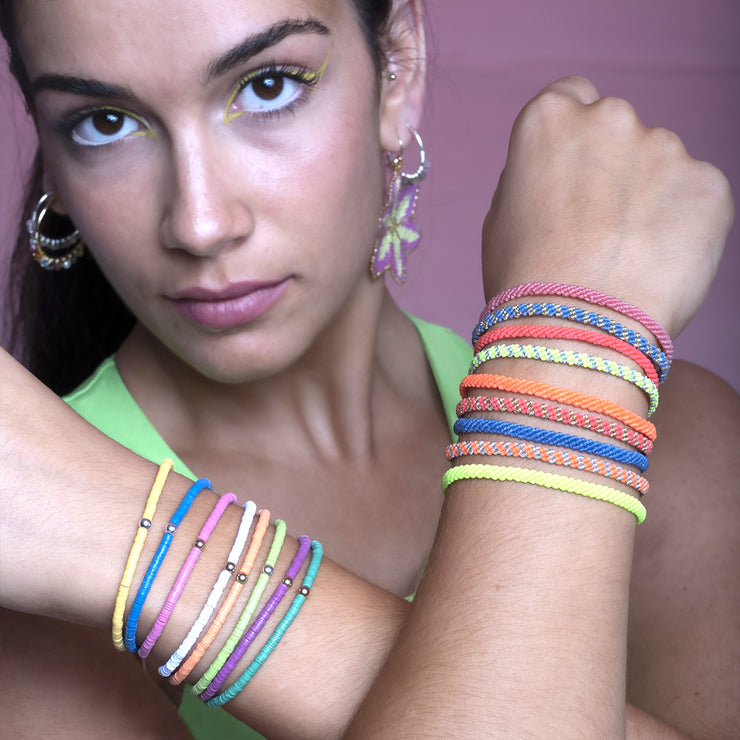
205,208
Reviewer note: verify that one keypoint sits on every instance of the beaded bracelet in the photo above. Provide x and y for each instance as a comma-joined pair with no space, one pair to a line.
546,480
548,455
304,545
559,395
285,622
157,560
559,414
571,313
185,572
214,597
528,331
554,439
566,357
267,570
135,553
218,621
589,296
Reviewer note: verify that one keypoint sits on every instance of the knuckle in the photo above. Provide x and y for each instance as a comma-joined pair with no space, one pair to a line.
667,140
617,112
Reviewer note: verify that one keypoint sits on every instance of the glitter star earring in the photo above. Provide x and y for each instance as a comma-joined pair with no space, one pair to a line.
398,235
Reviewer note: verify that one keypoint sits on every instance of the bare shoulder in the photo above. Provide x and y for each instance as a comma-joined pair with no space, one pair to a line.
684,647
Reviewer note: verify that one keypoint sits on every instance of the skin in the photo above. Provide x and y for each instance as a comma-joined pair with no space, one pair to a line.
602,534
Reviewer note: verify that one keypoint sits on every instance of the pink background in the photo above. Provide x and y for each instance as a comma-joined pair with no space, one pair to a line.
676,61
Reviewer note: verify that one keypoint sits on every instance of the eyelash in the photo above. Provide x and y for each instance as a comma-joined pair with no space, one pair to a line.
67,126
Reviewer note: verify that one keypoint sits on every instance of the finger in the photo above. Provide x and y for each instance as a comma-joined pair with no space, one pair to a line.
578,88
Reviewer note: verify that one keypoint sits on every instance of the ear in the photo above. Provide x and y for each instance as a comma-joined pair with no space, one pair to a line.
403,82
56,203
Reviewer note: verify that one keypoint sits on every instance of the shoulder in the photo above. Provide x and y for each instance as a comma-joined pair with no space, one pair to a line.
685,593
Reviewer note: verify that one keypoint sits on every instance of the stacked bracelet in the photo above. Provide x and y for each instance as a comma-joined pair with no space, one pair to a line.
285,622
256,627
225,609
133,557
209,607
156,563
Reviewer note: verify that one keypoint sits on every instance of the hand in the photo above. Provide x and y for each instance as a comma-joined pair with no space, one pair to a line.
590,196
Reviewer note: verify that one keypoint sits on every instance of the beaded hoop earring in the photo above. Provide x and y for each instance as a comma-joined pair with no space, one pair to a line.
53,252
398,235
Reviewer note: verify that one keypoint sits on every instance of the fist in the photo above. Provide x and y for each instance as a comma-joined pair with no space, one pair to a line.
590,196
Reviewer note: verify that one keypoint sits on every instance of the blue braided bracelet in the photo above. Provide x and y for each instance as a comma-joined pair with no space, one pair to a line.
557,439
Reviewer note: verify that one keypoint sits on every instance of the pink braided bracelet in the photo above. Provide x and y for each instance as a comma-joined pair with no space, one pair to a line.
589,296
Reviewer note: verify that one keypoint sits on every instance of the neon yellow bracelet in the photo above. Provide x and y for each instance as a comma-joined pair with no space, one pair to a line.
547,480
135,553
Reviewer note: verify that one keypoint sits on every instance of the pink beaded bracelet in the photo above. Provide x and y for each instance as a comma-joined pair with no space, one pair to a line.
589,296
185,571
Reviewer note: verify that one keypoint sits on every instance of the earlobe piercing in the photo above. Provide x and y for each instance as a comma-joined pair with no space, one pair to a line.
62,245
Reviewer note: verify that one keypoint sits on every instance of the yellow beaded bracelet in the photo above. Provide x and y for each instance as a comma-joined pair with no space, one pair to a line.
547,480
135,552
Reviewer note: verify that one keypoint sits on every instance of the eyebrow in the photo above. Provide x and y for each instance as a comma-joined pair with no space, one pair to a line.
258,42
80,86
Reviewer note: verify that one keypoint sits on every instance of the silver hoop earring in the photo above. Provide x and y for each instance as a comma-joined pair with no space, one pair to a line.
398,234
51,250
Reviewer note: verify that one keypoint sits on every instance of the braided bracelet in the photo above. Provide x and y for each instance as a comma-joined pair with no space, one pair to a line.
546,480
528,331
512,405
548,455
554,439
571,313
185,572
566,357
218,621
214,597
589,296
135,553
285,622
559,395
267,570
157,560
304,545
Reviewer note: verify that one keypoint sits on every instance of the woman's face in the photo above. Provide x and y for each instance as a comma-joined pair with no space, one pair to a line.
222,159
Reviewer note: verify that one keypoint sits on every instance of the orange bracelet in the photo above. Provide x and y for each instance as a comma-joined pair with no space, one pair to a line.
218,621
559,395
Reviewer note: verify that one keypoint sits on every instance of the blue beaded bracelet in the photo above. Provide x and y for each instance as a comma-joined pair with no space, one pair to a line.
557,439
155,564
313,568
560,311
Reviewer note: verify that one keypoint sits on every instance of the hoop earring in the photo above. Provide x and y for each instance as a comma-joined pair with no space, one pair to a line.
53,252
397,233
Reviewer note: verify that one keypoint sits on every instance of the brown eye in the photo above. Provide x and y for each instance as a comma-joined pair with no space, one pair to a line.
108,123
268,88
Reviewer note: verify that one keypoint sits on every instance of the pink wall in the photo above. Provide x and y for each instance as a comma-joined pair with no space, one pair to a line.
677,61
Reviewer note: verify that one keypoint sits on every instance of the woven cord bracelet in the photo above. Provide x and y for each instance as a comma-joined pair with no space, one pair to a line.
250,508
233,640
549,455
298,601
551,412
528,331
158,559
546,480
553,439
571,313
559,395
573,359
589,296
135,553
304,545
185,572
219,620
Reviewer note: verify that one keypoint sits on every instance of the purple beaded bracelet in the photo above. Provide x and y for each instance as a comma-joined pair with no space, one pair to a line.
185,572
213,688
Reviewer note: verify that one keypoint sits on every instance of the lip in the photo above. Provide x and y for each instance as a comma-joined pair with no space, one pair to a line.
238,303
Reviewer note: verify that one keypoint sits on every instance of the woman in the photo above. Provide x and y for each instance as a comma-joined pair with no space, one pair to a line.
225,164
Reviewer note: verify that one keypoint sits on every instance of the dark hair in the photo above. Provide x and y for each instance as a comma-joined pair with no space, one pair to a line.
63,324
